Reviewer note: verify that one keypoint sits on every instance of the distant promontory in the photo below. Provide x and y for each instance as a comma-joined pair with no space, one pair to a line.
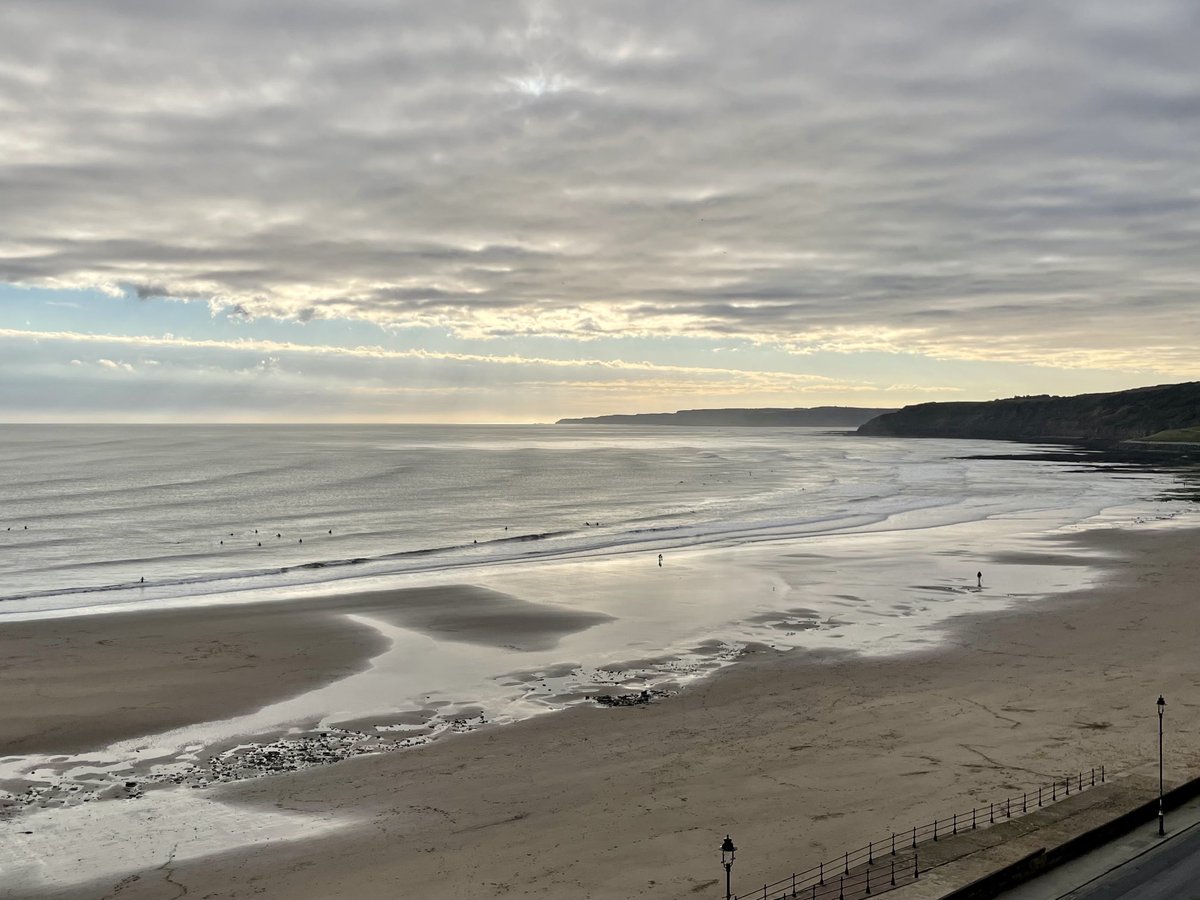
1162,414
817,417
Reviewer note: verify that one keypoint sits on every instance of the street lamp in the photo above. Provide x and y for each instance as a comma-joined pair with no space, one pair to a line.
727,857
1162,830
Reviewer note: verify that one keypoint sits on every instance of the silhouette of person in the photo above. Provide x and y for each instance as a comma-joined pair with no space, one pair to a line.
660,560
978,579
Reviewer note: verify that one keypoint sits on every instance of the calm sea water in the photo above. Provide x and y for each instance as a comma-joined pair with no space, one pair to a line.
124,514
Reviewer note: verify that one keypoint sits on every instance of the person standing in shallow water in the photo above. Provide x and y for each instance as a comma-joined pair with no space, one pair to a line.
978,579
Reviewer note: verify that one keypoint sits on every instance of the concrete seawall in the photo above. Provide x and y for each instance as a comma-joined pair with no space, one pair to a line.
966,868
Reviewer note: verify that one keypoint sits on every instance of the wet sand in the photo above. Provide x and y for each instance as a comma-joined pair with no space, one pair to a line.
74,684
797,755
79,683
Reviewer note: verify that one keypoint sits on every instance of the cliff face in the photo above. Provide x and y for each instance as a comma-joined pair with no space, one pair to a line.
1118,416
820,417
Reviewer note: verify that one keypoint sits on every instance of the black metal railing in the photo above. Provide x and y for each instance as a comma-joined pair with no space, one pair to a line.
896,860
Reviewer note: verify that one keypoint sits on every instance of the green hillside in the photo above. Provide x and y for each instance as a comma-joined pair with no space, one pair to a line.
1177,436
1117,416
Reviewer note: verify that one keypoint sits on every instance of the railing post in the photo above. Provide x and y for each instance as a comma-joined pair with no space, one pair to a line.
870,852
893,843
914,837
1008,807
868,879
1067,782
1053,791
764,892
972,818
991,812
793,884
916,868
841,887
847,871
1081,781
893,873
822,881
1102,774
1093,776
1039,795
1024,805
954,824
935,829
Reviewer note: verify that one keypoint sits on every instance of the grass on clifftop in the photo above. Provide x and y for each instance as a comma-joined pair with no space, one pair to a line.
1177,435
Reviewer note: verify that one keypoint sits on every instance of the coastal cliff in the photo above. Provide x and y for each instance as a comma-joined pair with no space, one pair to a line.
1110,418
817,417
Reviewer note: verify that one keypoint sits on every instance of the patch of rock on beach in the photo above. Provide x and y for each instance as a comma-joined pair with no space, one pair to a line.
66,781
46,788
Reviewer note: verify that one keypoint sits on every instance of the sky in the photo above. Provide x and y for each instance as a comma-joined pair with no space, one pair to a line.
495,211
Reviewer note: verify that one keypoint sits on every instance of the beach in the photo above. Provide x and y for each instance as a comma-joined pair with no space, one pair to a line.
796,754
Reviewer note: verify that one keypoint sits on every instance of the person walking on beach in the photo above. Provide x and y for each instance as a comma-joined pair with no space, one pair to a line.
660,560
979,579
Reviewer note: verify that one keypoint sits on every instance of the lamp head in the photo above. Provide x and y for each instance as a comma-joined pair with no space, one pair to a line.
727,851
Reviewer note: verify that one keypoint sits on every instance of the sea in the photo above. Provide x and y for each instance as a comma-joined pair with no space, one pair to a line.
692,547
98,517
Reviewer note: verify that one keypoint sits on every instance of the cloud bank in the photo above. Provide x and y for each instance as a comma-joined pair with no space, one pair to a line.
50,376
995,180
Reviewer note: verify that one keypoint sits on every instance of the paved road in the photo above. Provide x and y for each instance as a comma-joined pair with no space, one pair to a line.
1170,871
1136,865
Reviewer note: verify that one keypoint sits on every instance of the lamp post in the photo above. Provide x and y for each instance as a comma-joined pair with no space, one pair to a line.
1162,830
727,857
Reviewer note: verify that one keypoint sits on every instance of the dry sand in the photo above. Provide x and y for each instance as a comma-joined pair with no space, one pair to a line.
796,756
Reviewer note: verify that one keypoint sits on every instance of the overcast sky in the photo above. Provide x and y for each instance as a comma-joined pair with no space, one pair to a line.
515,211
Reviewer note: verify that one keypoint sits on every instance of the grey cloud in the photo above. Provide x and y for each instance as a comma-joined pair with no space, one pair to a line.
148,291
759,169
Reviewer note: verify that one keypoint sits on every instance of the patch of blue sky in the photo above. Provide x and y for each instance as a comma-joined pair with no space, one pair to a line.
911,375
94,312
